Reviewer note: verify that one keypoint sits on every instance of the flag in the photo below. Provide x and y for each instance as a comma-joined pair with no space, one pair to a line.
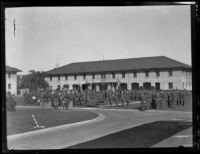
14,28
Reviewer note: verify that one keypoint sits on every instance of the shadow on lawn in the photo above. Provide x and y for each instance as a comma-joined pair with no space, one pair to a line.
143,136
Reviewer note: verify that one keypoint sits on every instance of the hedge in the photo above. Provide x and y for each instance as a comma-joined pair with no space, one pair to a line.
10,103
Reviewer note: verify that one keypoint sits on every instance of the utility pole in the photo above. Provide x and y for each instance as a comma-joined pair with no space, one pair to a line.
14,27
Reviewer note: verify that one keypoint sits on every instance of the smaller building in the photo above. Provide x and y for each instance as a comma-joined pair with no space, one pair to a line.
11,80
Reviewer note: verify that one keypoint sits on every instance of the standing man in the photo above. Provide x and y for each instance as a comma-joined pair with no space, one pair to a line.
142,99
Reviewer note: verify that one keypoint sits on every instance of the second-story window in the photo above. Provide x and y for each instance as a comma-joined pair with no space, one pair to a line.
9,75
66,77
113,75
93,76
157,73
103,76
75,77
50,78
134,74
170,73
84,76
123,74
58,78
146,74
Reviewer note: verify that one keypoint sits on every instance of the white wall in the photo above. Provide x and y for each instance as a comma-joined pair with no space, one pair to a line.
177,79
13,81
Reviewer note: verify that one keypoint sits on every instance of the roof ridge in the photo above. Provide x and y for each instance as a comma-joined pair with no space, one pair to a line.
178,61
121,64
115,59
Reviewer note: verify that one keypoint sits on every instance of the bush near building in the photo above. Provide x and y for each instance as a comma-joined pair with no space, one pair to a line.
10,103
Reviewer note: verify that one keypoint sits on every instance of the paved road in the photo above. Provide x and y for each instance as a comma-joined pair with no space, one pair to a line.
183,138
115,120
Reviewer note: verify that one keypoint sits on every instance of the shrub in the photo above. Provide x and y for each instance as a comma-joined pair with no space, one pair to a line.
10,103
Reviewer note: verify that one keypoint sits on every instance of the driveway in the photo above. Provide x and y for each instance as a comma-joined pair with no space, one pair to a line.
114,121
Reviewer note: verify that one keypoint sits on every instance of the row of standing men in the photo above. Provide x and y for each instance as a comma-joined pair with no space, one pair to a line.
150,99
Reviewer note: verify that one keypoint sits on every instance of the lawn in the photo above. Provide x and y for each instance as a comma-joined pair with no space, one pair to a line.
21,120
142,136
20,101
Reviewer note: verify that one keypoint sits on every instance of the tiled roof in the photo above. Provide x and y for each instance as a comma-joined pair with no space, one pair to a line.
130,64
12,69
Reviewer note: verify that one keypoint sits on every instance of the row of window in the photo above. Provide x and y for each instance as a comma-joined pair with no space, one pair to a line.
157,85
103,76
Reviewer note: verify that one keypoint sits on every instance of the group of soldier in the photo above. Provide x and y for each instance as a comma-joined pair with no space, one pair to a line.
150,99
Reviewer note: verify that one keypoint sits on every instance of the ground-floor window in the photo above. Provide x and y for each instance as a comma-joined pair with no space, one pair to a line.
147,85
84,86
58,87
75,86
103,87
66,86
123,86
135,86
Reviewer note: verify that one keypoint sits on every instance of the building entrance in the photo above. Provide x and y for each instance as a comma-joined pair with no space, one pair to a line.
123,86
103,87
84,86
147,85
157,86
135,86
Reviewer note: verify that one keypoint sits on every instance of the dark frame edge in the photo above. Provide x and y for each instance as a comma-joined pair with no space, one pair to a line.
195,75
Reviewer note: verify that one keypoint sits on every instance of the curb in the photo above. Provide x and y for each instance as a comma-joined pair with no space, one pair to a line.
95,108
50,129
90,108
21,106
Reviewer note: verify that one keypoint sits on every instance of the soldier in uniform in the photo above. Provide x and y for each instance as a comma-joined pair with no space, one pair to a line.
174,99
109,96
184,98
142,99
157,100
162,98
56,99
116,97
122,97
153,100
148,100
43,100
63,98
179,99
76,97
128,97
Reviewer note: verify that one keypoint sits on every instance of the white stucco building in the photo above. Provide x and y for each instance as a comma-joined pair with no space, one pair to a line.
11,79
160,72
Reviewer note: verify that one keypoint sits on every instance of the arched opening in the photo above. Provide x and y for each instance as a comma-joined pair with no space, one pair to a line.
66,86
147,85
135,86
123,86
84,86
58,87
93,86
157,85
75,86
103,86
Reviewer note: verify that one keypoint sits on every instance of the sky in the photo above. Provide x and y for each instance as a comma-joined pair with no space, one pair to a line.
50,36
